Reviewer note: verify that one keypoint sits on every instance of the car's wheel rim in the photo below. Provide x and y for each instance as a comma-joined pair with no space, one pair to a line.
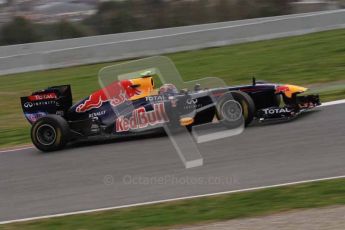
46,134
231,110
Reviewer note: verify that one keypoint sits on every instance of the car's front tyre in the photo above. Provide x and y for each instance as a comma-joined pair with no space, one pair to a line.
50,133
235,108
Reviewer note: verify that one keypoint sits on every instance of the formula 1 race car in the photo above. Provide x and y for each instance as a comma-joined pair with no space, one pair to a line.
134,106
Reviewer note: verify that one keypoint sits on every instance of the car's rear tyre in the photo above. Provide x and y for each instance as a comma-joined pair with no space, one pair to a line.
235,108
50,133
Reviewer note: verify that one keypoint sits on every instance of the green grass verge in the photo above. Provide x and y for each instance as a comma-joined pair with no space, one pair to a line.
217,208
310,59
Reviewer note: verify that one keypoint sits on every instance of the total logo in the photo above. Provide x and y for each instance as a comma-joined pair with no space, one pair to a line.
277,110
141,118
38,97
155,98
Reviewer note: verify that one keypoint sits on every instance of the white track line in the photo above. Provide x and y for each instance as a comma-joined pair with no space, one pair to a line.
323,104
333,103
14,150
167,200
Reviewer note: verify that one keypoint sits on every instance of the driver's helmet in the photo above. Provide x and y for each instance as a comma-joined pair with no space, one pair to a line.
168,89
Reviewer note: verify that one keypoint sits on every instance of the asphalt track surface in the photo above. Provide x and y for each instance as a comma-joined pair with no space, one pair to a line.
99,175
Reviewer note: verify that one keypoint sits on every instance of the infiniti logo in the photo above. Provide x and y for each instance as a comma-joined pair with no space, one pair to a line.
192,101
28,104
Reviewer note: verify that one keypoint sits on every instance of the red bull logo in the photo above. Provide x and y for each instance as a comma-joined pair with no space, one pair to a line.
282,89
115,93
142,119
290,90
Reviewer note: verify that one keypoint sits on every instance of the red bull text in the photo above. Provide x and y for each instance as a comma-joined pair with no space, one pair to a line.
141,118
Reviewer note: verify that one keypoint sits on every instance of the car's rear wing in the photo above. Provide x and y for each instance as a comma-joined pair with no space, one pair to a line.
53,100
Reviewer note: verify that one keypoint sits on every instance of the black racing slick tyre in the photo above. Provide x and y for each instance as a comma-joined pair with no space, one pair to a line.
50,133
235,106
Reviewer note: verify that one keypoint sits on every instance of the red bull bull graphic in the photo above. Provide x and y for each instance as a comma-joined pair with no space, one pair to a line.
115,93
141,118
289,90
282,89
